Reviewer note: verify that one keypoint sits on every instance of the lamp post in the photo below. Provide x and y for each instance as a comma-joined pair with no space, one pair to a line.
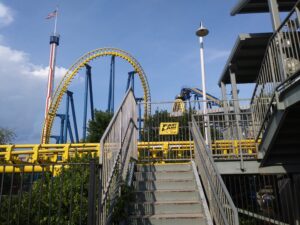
202,32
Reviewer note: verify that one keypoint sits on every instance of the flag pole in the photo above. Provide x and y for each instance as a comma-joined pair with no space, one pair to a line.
55,22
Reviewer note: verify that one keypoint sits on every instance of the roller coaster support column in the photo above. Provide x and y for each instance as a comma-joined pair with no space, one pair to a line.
66,118
111,90
88,85
59,139
130,81
62,125
139,102
70,96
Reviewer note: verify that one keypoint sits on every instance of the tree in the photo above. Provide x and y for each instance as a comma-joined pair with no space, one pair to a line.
47,197
97,126
6,136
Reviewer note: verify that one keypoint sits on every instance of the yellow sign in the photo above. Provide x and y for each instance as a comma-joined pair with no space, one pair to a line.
168,128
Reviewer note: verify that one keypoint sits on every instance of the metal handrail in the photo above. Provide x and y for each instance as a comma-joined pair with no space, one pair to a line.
221,206
280,63
118,146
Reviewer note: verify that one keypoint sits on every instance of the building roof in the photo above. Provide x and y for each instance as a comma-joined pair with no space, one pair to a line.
260,6
246,58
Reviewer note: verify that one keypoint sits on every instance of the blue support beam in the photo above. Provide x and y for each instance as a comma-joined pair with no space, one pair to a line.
62,124
111,89
66,118
87,91
130,81
70,130
139,100
70,95
88,69
56,137
91,95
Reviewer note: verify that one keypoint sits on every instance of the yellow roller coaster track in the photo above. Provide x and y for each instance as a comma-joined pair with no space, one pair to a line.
73,71
46,153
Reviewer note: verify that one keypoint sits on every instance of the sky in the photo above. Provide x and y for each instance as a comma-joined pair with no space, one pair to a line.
160,34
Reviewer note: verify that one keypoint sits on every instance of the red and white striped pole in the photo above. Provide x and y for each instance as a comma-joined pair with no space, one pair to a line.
54,42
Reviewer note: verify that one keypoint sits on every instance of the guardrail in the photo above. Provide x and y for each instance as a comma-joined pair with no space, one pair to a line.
230,134
60,193
118,145
45,153
168,151
279,69
265,198
221,206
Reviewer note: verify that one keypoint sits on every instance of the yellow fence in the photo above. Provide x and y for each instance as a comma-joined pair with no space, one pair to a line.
232,148
184,150
165,151
147,151
46,153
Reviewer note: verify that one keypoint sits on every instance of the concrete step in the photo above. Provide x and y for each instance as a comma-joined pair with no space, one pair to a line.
166,195
152,208
164,167
164,185
160,175
168,219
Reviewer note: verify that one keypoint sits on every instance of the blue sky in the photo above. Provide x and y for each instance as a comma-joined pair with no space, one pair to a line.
160,34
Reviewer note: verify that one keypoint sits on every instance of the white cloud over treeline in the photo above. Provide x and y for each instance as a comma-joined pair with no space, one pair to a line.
6,15
22,88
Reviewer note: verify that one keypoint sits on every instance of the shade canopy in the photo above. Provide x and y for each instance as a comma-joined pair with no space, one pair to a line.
246,58
260,6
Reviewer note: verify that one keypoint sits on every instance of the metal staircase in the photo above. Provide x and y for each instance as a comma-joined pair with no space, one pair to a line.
168,194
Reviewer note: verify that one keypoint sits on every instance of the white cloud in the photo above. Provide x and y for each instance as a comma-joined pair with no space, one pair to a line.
211,55
22,93
6,15
216,54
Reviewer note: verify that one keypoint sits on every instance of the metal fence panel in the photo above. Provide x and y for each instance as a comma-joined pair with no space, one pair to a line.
279,70
265,199
221,206
57,194
118,145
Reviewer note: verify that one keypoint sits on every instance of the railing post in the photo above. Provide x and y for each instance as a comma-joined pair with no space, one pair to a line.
225,107
273,8
92,194
236,111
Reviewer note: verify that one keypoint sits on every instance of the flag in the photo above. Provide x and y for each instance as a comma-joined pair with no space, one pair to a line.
52,14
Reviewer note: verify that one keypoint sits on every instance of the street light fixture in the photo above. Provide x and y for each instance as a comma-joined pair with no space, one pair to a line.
202,32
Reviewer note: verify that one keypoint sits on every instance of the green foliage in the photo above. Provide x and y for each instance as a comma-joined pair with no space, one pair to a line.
97,127
60,199
6,136
120,212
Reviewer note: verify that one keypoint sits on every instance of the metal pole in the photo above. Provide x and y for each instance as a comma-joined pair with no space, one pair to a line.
62,125
70,130
273,8
237,113
206,119
91,94
139,101
110,88
66,119
226,109
85,103
128,82
113,86
74,117
92,193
